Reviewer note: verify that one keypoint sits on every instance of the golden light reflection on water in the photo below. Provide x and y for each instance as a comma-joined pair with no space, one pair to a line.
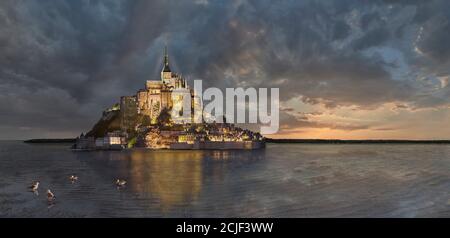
221,154
169,180
172,177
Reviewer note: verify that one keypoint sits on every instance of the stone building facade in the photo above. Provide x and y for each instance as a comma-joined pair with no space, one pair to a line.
156,96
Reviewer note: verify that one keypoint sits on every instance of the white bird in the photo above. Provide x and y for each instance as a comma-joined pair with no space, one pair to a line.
34,187
50,196
73,178
120,182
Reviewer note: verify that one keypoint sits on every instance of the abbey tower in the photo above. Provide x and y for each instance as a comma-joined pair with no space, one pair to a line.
156,96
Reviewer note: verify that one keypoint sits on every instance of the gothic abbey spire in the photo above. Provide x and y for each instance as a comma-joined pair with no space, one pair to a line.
166,67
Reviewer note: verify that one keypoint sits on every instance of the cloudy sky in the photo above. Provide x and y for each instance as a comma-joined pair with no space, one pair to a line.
350,69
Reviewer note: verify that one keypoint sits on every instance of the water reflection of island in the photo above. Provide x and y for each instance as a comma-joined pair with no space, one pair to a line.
168,180
176,178
172,178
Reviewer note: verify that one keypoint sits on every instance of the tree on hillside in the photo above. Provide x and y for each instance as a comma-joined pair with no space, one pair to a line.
164,117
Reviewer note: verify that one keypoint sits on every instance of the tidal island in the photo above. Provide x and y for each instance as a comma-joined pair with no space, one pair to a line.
144,121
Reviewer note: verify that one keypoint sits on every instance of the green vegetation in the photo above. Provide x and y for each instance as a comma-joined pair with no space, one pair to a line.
164,118
144,120
109,123
115,107
132,142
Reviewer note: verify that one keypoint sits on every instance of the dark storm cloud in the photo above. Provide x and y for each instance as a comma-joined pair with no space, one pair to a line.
341,30
435,43
63,62
58,43
374,37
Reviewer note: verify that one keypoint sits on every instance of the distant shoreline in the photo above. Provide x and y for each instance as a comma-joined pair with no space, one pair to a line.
50,141
337,141
282,141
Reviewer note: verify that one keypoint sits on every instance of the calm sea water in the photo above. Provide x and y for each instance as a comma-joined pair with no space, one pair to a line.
283,180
